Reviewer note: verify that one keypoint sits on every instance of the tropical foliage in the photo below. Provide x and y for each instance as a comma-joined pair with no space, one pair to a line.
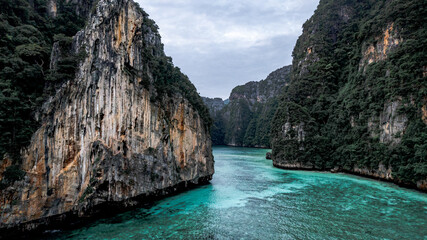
26,39
343,98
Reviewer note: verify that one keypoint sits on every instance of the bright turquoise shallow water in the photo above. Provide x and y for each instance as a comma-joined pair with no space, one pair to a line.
249,199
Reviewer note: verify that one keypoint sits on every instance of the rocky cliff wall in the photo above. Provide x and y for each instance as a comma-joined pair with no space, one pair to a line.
245,119
214,104
357,92
251,108
107,136
260,92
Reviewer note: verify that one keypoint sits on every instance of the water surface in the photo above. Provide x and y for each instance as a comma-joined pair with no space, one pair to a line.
250,199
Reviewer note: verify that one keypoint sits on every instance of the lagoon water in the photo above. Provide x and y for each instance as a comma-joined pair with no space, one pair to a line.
250,199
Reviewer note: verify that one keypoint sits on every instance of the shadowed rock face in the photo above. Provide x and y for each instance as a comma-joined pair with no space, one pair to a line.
244,119
104,137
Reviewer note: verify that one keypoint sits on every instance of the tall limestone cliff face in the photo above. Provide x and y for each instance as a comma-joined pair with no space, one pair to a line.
109,136
245,120
357,93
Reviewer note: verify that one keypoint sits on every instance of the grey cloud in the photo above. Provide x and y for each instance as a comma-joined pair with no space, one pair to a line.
224,43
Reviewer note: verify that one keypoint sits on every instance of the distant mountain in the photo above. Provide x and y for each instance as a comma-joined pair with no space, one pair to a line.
245,118
214,104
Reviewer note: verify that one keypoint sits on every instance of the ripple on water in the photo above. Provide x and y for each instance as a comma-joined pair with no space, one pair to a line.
249,199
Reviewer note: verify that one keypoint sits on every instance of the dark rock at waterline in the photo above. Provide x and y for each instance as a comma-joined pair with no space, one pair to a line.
268,155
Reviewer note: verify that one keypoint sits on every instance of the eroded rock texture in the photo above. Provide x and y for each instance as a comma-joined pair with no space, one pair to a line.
106,136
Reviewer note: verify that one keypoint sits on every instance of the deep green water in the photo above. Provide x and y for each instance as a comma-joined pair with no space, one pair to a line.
249,199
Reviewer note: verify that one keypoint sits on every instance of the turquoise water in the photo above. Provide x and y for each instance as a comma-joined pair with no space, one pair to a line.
249,199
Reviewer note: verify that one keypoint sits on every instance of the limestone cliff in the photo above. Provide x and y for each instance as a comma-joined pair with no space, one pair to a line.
245,119
260,92
356,99
109,137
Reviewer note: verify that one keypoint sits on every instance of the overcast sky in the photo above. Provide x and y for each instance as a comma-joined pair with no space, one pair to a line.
220,44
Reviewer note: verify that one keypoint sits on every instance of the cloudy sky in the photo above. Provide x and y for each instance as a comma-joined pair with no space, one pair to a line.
220,44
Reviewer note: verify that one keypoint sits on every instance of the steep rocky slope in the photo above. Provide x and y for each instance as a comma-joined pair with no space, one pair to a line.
214,104
262,91
246,119
356,100
128,126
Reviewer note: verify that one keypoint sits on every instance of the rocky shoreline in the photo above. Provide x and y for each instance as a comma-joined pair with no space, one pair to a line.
71,220
422,188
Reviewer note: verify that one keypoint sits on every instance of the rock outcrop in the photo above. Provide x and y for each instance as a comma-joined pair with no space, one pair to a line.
372,53
108,137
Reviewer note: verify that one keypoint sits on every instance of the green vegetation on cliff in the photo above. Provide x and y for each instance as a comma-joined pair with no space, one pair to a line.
27,36
357,91
29,31
246,119
168,79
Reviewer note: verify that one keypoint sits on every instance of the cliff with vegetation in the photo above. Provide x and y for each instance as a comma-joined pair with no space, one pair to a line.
116,123
215,105
246,119
357,97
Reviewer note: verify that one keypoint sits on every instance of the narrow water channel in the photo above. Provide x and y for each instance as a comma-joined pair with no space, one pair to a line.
250,199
